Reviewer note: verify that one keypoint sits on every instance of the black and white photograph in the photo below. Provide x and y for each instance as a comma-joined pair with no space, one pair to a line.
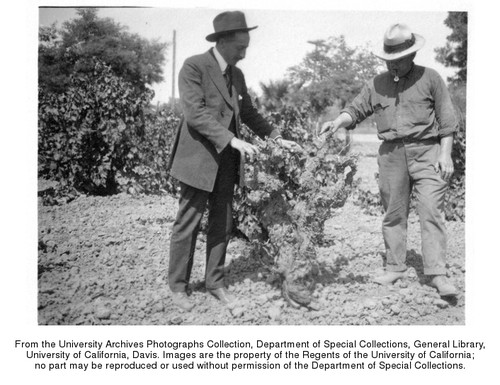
223,191
330,193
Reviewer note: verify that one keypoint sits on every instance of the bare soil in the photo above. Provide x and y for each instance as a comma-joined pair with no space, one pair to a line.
103,260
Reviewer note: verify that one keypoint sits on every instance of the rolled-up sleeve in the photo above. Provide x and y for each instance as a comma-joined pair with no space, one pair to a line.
443,106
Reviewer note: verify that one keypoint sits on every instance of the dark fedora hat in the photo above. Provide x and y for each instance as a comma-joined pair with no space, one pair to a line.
228,22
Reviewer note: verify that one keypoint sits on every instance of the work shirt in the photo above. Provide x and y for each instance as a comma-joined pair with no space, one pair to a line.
417,107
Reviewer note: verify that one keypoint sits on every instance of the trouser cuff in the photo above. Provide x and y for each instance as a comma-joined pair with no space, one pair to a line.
215,287
178,288
396,268
435,271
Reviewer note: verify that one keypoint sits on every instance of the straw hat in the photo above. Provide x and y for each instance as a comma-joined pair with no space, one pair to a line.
399,42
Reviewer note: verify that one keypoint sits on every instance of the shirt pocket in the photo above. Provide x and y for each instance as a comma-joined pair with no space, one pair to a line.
381,116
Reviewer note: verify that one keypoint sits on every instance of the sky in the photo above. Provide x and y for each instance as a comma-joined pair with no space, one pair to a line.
279,42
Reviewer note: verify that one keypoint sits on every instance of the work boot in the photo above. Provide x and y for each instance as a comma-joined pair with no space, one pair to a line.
389,277
223,295
181,300
444,288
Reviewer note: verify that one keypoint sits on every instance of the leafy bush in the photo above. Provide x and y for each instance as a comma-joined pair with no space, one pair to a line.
287,199
370,202
145,166
455,198
98,137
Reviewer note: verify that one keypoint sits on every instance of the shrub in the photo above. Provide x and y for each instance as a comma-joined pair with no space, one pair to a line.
98,137
455,198
145,167
287,199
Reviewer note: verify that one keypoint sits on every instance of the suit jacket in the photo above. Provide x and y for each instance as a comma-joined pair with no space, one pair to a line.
204,129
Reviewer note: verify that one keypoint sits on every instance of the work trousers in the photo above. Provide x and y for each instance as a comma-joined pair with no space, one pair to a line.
192,204
404,167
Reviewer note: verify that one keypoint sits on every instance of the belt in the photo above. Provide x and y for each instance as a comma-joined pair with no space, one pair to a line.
413,140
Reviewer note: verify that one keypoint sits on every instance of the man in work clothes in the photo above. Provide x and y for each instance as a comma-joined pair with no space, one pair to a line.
416,121
207,156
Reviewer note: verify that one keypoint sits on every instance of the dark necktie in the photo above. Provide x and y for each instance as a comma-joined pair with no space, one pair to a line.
227,78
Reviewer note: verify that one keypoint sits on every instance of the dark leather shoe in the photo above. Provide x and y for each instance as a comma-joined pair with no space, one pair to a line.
223,295
181,299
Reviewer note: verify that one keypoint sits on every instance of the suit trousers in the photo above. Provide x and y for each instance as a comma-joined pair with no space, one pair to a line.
192,204
404,167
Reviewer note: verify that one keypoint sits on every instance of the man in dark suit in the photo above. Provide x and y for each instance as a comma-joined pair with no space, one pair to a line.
207,156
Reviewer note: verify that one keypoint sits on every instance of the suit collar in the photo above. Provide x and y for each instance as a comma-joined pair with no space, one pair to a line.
215,74
220,60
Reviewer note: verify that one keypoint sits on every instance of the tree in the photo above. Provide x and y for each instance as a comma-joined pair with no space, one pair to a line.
454,53
275,94
333,57
80,42
96,131
333,73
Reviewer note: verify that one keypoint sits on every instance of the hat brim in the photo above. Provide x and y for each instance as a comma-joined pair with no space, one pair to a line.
213,36
419,43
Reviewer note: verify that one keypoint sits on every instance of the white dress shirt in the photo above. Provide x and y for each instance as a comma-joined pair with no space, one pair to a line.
220,60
